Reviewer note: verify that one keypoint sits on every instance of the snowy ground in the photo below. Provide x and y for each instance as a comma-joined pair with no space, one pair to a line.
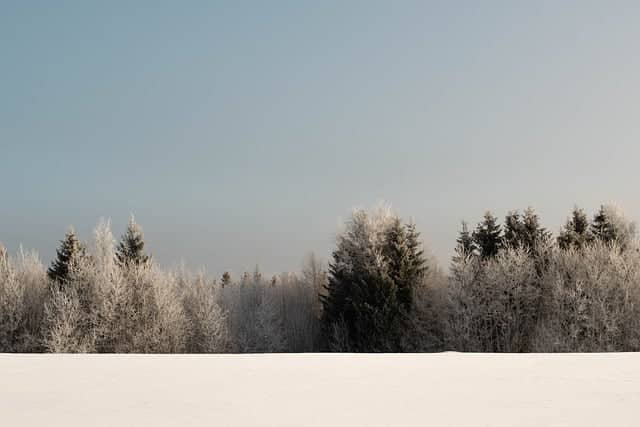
320,390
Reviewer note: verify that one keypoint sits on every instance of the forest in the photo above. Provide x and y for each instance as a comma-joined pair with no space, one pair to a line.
511,286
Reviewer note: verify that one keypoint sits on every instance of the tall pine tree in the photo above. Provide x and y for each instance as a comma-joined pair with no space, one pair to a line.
130,251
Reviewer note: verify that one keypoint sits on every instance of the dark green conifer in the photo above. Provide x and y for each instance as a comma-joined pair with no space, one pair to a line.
405,260
533,234
488,236
576,231
513,230
130,250
602,228
368,296
68,254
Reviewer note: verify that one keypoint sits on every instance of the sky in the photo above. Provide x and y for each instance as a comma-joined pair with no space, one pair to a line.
244,133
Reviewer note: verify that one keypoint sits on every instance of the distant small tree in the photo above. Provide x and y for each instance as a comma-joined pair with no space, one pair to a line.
610,225
602,227
465,246
524,231
513,230
576,231
69,253
226,279
533,234
130,250
488,236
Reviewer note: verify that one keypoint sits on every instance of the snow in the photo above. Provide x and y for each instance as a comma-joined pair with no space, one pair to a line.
447,389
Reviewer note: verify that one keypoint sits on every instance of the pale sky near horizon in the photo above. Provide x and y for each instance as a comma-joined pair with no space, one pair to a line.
243,133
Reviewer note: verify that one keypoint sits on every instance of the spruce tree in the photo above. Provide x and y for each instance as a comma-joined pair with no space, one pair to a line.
67,255
130,250
417,260
576,231
488,236
602,227
405,260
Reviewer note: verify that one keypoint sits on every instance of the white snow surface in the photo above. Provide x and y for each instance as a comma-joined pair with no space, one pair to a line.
448,389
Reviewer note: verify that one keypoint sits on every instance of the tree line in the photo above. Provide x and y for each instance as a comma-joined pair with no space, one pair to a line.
511,287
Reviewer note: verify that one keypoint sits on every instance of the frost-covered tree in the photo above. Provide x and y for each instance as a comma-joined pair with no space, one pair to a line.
363,309
107,308
576,232
488,236
70,253
255,316
112,317
493,304
23,289
131,247
11,304
593,300
64,324
207,330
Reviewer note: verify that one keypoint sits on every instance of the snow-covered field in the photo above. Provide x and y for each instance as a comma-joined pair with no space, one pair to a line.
447,389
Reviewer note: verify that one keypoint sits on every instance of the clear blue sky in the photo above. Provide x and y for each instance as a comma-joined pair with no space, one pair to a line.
240,133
